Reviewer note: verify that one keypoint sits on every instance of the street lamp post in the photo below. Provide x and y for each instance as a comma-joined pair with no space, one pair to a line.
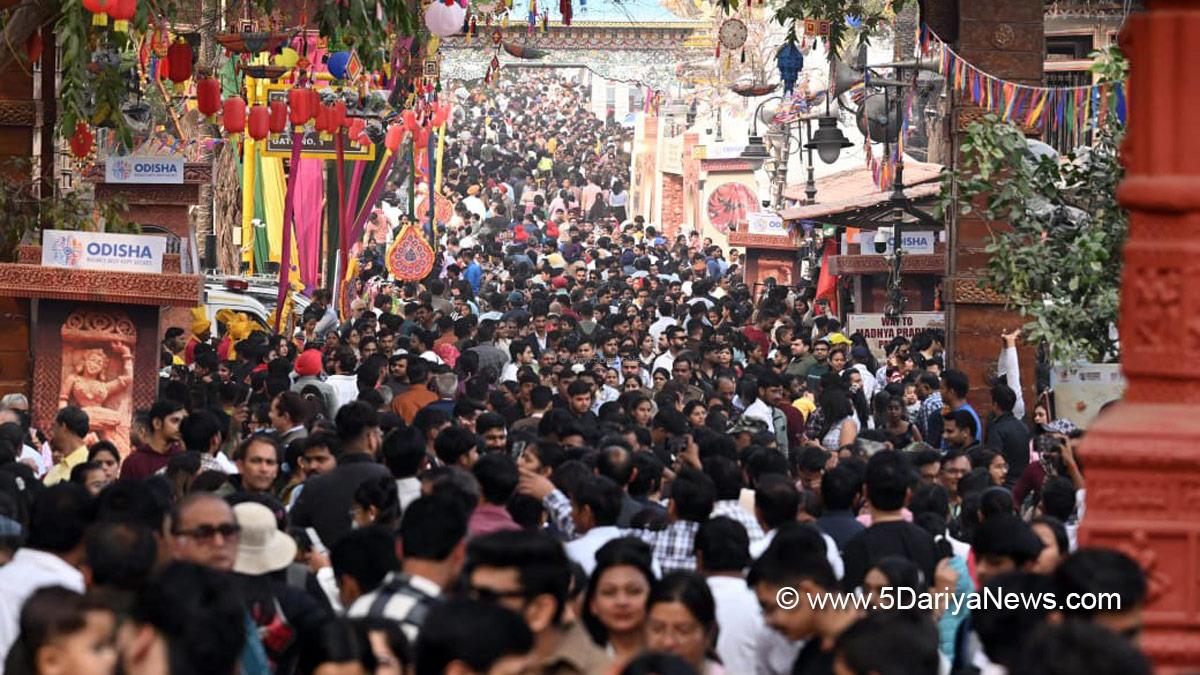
782,149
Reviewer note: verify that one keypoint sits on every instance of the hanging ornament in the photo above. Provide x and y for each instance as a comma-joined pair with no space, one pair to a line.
278,122
410,257
208,97
179,59
790,61
445,20
99,10
743,55
545,22
122,12
233,114
325,121
299,111
259,123
337,117
533,15
732,34
337,64
356,130
81,141
564,8
287,58
395,135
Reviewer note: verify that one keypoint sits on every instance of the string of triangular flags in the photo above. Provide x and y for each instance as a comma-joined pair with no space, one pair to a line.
1054,108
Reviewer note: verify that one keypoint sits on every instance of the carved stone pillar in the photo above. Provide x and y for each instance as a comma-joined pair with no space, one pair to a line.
1006,39
1142,457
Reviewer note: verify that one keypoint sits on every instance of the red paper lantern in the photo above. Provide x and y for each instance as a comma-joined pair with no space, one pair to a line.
99,10
357,127
324,120
410,121
122,11
441,113
234,114
298,103
208,96
278,117
421,137
179,56
260,122
81,142
339,120
395,135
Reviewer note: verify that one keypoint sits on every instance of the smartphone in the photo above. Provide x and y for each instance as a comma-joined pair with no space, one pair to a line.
318,546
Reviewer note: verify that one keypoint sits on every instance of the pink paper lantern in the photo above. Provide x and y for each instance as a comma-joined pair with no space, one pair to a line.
445,20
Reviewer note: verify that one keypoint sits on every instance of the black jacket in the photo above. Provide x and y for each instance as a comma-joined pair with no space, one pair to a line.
1009,436
326,500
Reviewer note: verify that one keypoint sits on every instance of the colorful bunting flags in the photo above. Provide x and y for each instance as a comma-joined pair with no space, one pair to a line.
1069,109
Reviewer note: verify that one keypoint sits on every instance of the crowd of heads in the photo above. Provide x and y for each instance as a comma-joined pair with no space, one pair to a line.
580,445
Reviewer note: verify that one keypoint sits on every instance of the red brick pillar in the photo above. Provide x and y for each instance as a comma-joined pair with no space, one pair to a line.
1142,457
1006,39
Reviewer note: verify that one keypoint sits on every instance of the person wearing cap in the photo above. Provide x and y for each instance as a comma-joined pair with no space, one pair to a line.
308,370
277,609
201,332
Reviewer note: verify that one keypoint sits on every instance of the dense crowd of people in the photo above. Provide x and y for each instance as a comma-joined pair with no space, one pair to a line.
578,446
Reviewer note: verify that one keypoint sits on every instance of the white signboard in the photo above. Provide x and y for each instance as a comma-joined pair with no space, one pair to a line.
1081,390
672,157
158,170
912,243
718,151
103,251
766,223
879,329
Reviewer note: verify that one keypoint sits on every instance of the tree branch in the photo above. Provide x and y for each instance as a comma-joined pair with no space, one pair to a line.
23,21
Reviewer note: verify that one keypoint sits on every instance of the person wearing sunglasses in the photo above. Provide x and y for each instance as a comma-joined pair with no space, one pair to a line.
529,573
203,530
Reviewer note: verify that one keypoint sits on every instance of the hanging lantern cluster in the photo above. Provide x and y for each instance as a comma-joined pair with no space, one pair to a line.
121,12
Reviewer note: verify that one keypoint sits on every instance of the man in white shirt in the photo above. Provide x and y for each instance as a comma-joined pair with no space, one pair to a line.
777,503
722,553
51,555
676,343
594,509
770,389
344,381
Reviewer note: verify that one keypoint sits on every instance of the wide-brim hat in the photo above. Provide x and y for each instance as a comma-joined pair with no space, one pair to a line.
262,547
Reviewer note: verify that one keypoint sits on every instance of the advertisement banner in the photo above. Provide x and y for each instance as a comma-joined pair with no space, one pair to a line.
879,329
144,170
912,243
103,251
766,222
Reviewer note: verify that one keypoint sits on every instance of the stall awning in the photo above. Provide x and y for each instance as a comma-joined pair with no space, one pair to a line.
854,189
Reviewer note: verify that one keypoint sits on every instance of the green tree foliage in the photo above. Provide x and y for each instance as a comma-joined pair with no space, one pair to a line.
847,18
23,213
1060,263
